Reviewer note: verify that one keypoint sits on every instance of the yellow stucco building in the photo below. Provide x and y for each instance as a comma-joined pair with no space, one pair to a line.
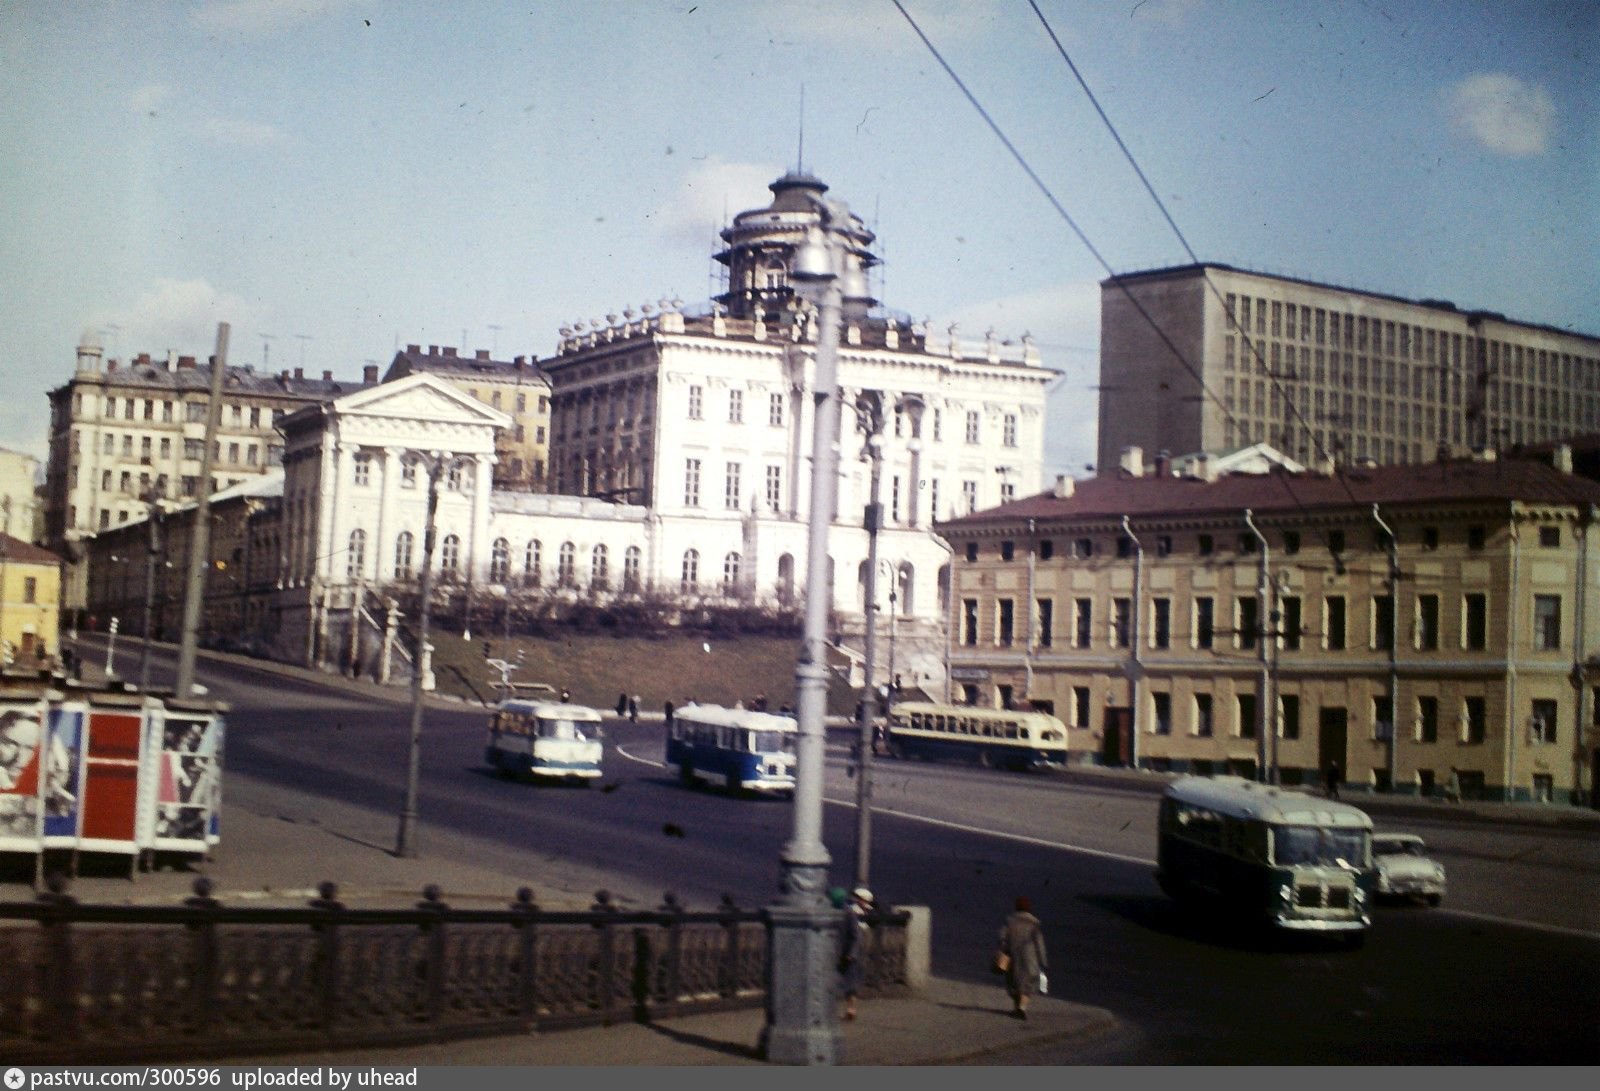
30,603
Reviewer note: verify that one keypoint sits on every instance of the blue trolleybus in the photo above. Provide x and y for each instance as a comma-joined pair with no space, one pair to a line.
991,737
1266,855
743,750
545,740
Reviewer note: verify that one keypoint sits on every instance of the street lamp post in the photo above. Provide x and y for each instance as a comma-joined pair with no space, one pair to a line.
869,414
405,839
802,1023
152,548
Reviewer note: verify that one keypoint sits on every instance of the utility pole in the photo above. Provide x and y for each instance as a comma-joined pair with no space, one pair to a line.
153,546
1394,645
200,531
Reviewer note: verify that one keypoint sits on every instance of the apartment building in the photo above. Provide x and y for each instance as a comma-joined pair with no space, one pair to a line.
1394,622
1209,357
516,387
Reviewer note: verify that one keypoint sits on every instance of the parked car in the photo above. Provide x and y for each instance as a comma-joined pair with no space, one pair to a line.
1405,871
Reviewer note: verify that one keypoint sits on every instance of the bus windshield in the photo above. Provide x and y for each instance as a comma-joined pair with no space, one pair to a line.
1317,845
559,729
767,742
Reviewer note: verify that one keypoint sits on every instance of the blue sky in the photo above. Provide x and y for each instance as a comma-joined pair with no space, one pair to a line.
334,178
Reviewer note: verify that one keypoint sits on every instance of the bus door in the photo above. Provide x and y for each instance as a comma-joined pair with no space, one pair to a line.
1332,726
1115,749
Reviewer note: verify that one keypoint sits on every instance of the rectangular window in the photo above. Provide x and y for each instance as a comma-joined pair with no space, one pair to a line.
1427,719
1085,621
1475,621
1045,615
1475,538
1164,545
1382,622
694,403
1549,537
969,495
30,589
1247,623
1080,706
1291,542
1333,622
969,622
731,486
1427,623
1202,715
194,412
1009,430
735,407
1289,608
1289,711
775,411
1475,720
1161,713
1004,622
1547,622
1083,548
1204,622
774,487
1205,545
1247,715
972,426
691,482
1541,723
1160,623
1121,622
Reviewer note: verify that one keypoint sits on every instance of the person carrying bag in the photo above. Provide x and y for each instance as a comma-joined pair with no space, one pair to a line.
1021,957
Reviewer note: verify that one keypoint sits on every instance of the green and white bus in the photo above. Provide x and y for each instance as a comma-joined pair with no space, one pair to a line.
1284,859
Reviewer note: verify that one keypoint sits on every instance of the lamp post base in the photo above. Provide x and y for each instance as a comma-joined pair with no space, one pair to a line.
802,996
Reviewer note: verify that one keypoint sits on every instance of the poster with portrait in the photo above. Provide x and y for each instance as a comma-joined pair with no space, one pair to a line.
63,775
188,776
22,743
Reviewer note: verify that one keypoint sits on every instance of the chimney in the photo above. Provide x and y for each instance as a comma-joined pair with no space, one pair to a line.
449,350
299,373
520,361
369,374
1133,461
171,356
433,350
143,359
185,361
481,354
327,376
413,350
1563,458
1163,463
1064,487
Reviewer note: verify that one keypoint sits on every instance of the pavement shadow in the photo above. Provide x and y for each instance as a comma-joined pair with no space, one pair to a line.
701,1041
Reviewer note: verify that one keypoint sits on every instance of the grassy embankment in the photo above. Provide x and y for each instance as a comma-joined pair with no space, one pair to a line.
597,667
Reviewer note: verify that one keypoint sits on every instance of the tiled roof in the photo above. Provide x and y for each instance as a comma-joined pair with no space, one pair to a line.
243,380
1112,496
15,549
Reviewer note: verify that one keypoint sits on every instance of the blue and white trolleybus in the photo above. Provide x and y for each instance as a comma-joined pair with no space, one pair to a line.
545,740
745,751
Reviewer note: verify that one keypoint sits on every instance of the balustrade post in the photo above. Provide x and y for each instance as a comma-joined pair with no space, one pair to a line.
527,925
672,987
728,984
60,1015
434,968
606,957
325,970
203,937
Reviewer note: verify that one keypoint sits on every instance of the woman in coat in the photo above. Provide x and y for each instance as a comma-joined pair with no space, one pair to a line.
1022,938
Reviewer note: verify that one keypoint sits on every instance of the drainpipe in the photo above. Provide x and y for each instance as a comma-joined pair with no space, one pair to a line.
1135,667
1394,648
1033,608
1579,647
1514,608
1264,718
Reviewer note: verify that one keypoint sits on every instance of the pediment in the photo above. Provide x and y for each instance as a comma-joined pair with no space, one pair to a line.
420,398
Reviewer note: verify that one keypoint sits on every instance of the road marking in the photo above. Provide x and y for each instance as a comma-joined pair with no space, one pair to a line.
1553,929
641,761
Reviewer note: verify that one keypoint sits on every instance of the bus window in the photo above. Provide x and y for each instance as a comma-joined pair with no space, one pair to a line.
767,742
559,729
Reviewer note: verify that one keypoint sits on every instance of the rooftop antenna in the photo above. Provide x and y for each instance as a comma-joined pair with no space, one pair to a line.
303,338
266,350
800,155
494,340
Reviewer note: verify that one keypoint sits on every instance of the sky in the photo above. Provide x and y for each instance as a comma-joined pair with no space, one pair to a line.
336,179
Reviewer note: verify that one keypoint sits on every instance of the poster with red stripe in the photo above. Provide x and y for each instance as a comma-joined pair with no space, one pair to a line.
111,782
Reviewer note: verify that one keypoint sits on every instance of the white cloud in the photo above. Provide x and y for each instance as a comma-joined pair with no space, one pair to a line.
147,98
257,18
180,315
240,133
1504,114
713,193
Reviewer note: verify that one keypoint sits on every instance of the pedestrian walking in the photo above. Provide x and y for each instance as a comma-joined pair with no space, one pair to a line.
1452,787
666,710
566,695
1023,955
622,704
1332,778
855,941
633,709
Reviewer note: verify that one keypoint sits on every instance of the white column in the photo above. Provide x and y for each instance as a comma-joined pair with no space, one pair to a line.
383,546
332,504
483,486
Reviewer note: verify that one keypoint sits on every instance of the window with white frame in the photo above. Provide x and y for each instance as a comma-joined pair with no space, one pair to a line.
363,468
972,426
1547,622
631,561
531,562
774,487
599,568
775,410
695,396
450,557
690,579
730,573
691,482
1542,721
735,407
499,560
731,486
1009,430
969,496
356,558
408,473
567,565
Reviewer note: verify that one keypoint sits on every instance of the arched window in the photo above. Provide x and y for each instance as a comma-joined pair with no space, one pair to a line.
355,562
905,584
499,561
566,575
691,572
599,575
402,556
786,579
531,563
630,568
730,574
450,557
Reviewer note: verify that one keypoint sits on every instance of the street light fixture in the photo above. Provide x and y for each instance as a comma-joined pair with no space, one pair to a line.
405,839
802,1023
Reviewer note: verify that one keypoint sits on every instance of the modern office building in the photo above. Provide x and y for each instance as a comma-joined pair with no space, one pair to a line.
1209,357
1394,622
515,387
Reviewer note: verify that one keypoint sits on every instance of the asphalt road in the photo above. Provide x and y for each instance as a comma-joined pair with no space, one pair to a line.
1508,973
